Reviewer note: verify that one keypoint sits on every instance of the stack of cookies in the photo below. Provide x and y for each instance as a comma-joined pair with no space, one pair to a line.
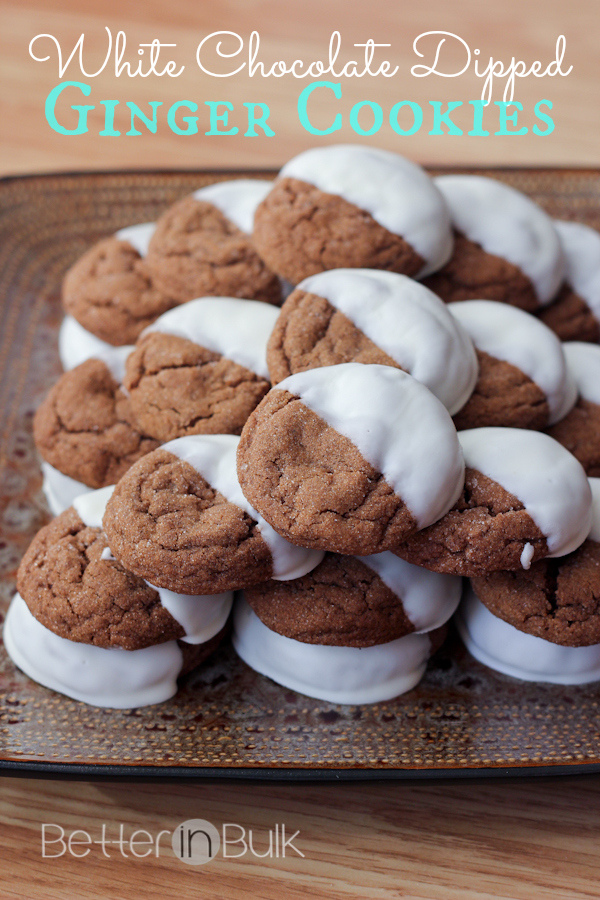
338,393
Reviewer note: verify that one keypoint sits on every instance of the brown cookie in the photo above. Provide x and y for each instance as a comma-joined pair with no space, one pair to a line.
310,333
86,428
503,396
486,530
110,292
473,274
300,230
557,600
579,432
570,317
167,524
313,485
178,388
197,252
80,596
341,603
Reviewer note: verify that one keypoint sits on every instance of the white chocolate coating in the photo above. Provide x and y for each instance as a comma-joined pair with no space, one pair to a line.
409,323
397,425
76,344
594,534
237,329
583,361
520,339
428,598
90,507
581,246
60,490
138,236
113,678
545,477
349,675
504,648
395,191
237,200
201,616
506,223
214,457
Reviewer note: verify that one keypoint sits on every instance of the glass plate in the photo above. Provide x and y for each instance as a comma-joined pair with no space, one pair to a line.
227,721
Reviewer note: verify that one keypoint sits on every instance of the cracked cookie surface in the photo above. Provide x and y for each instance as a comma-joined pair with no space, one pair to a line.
473,274
168,525
570,318
86,428
557,600
342,602
197,252
75,593
178,388
579,432
503,396
310,332
110,292
312,484
486,530
300,231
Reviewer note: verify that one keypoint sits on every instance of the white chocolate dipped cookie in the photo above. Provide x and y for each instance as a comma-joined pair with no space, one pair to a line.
506,247
504,648
523,380
356,601
579,431
525,498
350,458
179,519
336,674
373,316
202,245
74,586
110,290
351,206
201,368
575,313
85,626
556,599
86,432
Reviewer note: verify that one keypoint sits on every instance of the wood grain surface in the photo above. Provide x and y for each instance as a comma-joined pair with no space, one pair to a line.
522,839
431,841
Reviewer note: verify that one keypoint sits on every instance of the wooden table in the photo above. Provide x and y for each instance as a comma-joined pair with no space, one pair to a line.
531,838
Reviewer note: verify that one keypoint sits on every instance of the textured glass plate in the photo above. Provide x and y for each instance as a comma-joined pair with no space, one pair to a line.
228,721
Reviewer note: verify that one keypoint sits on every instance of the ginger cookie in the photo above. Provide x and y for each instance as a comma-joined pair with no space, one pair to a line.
110,290
356,601
180,520
86,428
201,368
524,498
350,206
506,247
575,313
370,316
350,458
579,431
523,377
75,587
202,246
